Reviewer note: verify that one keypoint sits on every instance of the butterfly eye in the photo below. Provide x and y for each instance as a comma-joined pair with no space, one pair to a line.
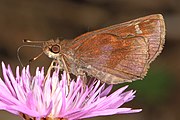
55,49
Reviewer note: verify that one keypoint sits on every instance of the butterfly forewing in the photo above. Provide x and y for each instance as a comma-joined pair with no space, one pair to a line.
151,27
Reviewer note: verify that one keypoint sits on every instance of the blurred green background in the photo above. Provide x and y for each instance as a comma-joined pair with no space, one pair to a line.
158,94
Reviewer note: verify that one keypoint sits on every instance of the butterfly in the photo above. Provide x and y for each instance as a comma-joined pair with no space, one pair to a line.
115,54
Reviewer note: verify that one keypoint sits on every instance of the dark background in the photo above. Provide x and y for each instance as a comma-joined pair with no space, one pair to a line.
158,94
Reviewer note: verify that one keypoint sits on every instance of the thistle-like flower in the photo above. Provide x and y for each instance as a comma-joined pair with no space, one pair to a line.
27,96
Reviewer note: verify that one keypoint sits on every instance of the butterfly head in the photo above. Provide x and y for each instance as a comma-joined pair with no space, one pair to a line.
52,48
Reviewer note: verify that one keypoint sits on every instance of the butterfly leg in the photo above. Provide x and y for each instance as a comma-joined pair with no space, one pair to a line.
83,77
67,71
54,65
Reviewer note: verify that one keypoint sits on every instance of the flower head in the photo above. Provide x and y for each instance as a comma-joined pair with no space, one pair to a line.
27,96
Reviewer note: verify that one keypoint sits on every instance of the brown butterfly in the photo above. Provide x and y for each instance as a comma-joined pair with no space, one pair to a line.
115,54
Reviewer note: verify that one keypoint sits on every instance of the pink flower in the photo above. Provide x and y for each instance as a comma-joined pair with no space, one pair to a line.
27,96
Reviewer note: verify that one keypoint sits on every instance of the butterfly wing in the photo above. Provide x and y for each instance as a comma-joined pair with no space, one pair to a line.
121,52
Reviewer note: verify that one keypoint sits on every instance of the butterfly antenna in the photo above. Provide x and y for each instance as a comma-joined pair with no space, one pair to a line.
30,41
19,48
